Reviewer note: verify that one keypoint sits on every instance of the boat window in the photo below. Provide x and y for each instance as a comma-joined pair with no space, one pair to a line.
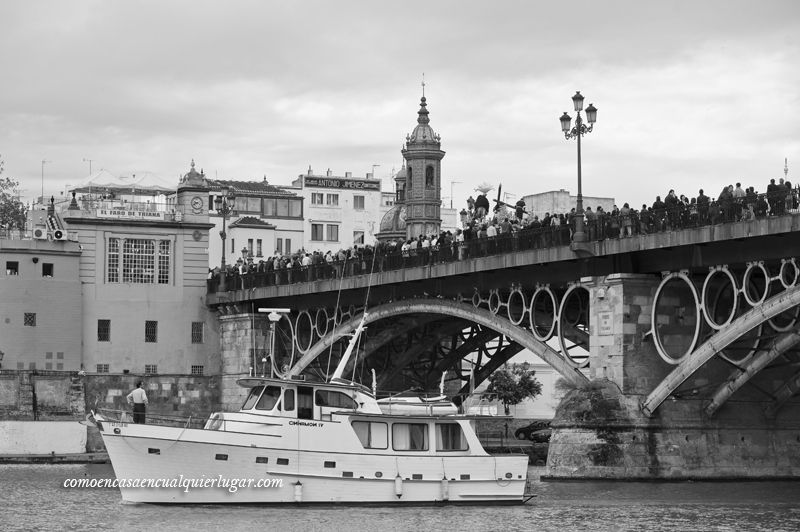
288,400
252,398
410,436
269,398
372,434
334,399
450,437
305,402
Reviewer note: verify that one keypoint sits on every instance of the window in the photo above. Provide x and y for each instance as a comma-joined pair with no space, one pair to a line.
258,248
410,436
48,365
334,399
60,355
358,237
317,198
250,246
283,207
373,435
358,203
288,245
102,368
269,207
254,204
450,437
333,233
48,355
408,182
59,366
269,398
429,181
197,370
279,245
332,199
233,246
151,331
252,398
317,231
47,269
103,330
151,369
288,400
29,319
134,260
12,267
296,208
197,332
32,365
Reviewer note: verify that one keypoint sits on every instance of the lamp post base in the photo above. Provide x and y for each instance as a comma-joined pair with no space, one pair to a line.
582,247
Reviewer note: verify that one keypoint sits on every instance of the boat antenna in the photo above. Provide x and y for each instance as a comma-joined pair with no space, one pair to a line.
374,383
335,312
337,374
441,384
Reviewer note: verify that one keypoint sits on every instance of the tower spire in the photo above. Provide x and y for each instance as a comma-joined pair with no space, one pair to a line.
423,84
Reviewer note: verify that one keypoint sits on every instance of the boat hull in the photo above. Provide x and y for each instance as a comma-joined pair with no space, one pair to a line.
182,466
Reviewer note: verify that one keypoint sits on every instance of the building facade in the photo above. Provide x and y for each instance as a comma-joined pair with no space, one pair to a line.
41,308
142,272
560,201
342,211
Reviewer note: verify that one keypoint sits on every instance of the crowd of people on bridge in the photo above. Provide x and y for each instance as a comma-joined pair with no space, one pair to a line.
507,228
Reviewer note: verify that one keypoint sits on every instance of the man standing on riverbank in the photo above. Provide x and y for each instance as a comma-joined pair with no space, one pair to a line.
138,399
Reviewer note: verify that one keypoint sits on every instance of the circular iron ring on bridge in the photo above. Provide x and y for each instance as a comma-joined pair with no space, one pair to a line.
786,264
517,309
709,313
321,320
543,291
299,332
494,301
669,359
582,362
746,283
794,269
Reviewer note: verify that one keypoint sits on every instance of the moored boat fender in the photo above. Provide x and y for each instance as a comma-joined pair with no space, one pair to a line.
398,486
298,491
445,489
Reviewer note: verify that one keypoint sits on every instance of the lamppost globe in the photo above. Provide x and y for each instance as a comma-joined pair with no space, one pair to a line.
577,100
566,122
591,114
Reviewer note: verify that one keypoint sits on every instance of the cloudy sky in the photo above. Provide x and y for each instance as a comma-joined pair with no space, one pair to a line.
690,93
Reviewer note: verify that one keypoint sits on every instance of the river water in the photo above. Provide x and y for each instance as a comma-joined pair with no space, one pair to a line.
33,499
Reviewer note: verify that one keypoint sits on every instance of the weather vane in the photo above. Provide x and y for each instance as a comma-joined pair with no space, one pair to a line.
423,84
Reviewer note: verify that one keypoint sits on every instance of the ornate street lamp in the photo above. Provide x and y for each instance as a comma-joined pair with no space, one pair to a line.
224,204
577,132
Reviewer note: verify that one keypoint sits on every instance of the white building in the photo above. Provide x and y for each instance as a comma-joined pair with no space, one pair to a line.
340,211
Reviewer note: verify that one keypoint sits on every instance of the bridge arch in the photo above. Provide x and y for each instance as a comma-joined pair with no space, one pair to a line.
757,315
455,309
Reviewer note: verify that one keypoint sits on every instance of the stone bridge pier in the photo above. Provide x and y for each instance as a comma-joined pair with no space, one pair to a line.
652,410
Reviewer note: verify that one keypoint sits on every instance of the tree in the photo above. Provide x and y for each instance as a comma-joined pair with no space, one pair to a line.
512,385
12,211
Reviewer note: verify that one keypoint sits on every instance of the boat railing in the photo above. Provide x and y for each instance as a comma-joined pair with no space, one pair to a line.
215,421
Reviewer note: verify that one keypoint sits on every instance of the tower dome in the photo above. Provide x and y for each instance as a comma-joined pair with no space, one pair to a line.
423,133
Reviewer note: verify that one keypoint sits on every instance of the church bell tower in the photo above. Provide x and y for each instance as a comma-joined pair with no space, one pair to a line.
423,155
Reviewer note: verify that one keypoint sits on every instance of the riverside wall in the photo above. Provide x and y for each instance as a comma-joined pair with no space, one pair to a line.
40,411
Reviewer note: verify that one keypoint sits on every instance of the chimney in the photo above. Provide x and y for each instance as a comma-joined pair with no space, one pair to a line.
369,175
348,174
309,170
328,173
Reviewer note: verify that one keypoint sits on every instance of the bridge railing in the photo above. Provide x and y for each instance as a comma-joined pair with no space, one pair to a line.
597,228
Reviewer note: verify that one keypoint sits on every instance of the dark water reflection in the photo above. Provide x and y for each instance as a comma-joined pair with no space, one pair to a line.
33,499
